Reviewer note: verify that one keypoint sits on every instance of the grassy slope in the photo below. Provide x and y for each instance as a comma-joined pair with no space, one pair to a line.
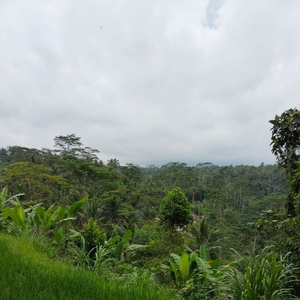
27,274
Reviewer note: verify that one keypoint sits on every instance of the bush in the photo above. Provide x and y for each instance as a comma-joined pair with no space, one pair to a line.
92,234
201,288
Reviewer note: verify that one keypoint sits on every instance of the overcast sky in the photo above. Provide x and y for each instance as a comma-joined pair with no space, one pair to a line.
149,82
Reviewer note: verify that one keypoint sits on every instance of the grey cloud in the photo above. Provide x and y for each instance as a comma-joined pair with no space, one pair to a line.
160,81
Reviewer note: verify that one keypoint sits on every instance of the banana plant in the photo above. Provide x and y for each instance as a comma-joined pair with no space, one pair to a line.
69,211
3,197
17,214
206,265
46,219
182,268
60,236
124,247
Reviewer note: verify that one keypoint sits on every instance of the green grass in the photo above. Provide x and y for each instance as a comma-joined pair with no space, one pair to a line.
28,274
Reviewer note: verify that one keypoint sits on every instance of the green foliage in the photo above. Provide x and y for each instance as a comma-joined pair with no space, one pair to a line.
145,234
92,234
34,180
224,201
14,154
4,197
26,274
285,145
115,210
286,137
45,219
175,209
265,276
61,237
124,243
95,259
15,215
205,234
271,202
70,146
125,250
202,288
288,241
74,207
37,219
183,268
94,256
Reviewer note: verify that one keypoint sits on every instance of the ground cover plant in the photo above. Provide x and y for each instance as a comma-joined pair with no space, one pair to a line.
27,274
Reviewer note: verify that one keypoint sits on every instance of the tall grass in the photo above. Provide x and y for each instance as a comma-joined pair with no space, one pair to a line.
266,276
27,274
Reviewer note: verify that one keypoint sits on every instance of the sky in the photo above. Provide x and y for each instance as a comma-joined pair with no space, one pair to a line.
149,82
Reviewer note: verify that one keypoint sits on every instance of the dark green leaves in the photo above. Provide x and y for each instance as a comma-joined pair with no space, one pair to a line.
286,137
286,145
175,209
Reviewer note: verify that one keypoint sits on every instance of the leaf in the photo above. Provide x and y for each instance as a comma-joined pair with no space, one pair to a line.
40,212
8,212
215,264
3,196
184,266
77,205
54,216
59,235
165,267
119,250
193,265
21,213
204,267
126,238
176,258
67,219
112,241
204,253
74,233
135,247
175,274
14,196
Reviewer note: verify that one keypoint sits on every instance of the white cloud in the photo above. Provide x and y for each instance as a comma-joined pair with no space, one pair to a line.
149,81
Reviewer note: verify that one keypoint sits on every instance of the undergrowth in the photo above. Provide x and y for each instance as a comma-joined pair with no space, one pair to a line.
28,274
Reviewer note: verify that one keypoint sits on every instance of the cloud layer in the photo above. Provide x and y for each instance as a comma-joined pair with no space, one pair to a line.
149,82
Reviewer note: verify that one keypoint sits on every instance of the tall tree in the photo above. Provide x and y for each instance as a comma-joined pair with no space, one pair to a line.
286,145
286,138
70,146
36,181
175,209
16,154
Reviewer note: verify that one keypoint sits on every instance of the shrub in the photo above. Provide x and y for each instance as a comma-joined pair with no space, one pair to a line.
92,235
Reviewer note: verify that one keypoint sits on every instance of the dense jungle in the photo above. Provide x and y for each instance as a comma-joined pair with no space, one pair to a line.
75,227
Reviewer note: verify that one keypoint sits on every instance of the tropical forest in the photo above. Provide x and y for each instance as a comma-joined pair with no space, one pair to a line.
75,227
